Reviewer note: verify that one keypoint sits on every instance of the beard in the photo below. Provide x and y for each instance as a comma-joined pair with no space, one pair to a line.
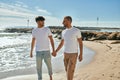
42,24
64,26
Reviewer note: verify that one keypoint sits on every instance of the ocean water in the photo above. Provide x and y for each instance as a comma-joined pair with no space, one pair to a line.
110,30
15,60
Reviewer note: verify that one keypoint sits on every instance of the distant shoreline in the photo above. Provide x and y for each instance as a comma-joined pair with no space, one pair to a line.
29,29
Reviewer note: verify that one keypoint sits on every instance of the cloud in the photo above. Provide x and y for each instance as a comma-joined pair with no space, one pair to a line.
14,8
10,12
5,16
42,11
17,15
20,4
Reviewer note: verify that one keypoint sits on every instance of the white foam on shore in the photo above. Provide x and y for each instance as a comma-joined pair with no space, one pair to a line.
57,64
15,58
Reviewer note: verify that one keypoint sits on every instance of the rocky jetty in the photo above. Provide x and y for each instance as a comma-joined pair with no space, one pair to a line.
86,34
18,30
101,35
91,36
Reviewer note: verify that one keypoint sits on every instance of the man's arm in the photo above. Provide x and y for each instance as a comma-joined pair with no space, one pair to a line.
32,47
52,44
60,45
81,48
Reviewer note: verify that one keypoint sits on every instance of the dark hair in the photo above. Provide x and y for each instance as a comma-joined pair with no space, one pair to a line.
68,18
39,18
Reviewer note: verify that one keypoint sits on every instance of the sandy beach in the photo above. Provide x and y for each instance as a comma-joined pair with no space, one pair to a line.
104,66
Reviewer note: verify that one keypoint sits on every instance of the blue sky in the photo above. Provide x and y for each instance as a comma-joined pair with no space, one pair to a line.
84,12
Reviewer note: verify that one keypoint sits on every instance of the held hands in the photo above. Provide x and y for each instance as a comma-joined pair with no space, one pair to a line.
54,53
31,55
80,58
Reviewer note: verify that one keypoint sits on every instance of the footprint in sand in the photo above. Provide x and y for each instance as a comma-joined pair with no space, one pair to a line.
103,74
112,75
118,72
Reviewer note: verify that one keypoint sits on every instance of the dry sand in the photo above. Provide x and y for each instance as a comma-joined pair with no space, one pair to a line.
105,65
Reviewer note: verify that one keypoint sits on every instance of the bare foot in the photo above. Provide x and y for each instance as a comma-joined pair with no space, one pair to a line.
50,77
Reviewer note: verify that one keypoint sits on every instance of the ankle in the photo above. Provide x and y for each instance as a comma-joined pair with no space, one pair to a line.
50,77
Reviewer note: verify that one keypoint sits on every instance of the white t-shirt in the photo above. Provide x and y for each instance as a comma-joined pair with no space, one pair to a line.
70,37
41,37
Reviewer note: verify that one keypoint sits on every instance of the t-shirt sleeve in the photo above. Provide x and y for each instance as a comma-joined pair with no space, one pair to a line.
78,34
33,33
49,32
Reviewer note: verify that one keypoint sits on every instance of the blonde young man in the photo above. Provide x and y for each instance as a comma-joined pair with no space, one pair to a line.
41,36
71,39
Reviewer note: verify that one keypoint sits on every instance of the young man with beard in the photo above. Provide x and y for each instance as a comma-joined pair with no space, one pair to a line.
71,39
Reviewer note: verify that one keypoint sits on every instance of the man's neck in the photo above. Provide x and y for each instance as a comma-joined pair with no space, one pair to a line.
40,26
69,27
